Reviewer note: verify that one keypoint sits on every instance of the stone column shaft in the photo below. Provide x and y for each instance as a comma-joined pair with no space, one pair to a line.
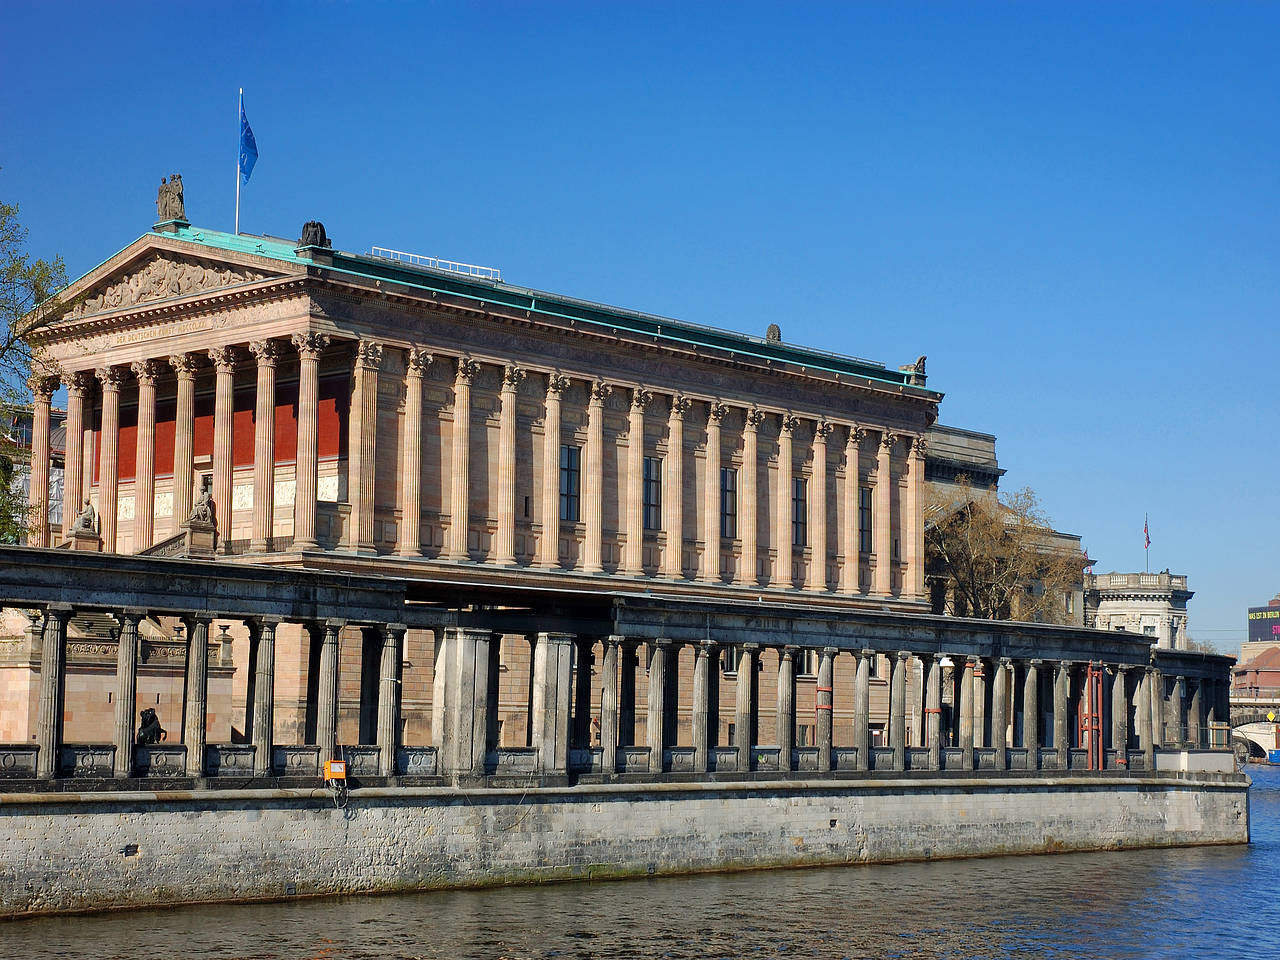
552,696
42,389
1159,732
933,711
882,518
782,512
389,698
862,709
109,475
1031,713
505,541
1195,718
306,471
967,697
549,542
53,666
749,531
184,419
745,706
609,705
223,359
593,481
657,738
898,709
126,690
633,558
195,709
363,444
913,522
327,691
785,716
818,510
824,706
1120,716
264,699
144,471
73,491
716,412
266,352
701,719
1061,706
1000,712
673,491
850,540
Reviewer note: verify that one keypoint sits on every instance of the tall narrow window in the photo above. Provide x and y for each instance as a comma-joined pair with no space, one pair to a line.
864,519
570,480
799,511
728,502
653,493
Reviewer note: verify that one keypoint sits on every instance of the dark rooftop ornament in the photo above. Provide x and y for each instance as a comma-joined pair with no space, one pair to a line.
313,235
171,208
774,333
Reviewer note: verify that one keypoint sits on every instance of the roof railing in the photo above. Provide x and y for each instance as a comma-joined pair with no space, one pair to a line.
436,263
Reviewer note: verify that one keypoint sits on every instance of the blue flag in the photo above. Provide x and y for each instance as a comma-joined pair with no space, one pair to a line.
248,146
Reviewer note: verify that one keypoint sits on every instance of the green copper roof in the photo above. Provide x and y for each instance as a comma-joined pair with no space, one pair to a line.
550,304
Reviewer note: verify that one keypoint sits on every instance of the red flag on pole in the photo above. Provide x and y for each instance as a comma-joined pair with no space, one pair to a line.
1146,534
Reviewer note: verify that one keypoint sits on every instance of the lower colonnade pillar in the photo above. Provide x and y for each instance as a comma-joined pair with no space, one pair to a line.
862,709
981,691
745,705
466,721
195,712
609,705
1159,737
389,697
898,709
967,711
1120,716
701,720
825,705
785,716
1031,713
1177,735
1061,699
657,719
1195,716
327,692
629,656
52,688
264,701
552,698
933,710
1000,712
126,690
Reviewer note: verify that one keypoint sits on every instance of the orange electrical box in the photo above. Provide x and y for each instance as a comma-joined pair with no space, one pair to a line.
335,769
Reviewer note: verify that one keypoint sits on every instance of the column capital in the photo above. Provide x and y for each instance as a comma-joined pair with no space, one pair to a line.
903,654
705,648
662,642
680,405
512,376
919,446
557,384
135,614
396,629
750,646
145,371
716,411
310,344
266,352
855,436
600,391
1005,661
755,417
640,398
1035,662
887,441
267,621
184,365
614,640
561,638
417,359
830,651
111,378
368,354
223,359
43,385
865,652
822,430
787,424
79,383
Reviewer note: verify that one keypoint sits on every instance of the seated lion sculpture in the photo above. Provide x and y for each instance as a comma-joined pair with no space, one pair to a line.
151,731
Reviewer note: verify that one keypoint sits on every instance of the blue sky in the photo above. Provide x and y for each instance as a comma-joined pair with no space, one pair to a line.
1071,209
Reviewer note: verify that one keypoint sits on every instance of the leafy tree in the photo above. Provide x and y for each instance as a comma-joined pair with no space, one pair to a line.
1000,555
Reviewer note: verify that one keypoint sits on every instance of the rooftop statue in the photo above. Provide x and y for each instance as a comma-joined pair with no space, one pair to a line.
169,200
313,235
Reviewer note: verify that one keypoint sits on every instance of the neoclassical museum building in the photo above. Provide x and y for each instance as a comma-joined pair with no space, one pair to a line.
389,415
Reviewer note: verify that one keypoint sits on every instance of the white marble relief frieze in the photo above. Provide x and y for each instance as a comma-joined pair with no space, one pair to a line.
242,496
163,277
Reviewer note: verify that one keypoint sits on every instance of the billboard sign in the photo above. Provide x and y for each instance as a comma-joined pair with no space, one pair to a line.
1264,624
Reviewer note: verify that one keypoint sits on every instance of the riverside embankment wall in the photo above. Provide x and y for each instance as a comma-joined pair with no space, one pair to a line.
61,852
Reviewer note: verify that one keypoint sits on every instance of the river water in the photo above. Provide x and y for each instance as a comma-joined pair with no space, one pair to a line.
1204,902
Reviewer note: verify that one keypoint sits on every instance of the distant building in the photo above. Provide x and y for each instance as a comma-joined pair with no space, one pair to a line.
1154,604
15,455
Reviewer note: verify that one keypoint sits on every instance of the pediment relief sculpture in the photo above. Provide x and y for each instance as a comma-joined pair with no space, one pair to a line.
163,277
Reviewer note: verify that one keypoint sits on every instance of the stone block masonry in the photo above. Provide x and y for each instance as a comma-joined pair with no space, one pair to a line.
81,852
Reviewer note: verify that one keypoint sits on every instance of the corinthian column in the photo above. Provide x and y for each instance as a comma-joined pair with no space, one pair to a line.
549,543
457,547
184,428
882,527
409,542
818,509
223,359
42,388
749,572
505,543
913,521
144,472
716,412
109,477
362,446
266,352
593,479
673,491
633,559
782,514
309,347
73,491
850,538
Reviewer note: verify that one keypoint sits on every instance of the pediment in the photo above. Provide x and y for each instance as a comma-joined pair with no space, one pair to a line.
160,275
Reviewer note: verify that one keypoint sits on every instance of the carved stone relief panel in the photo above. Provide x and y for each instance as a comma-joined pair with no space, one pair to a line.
162,277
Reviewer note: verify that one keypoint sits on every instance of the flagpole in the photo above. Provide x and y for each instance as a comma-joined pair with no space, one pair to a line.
239,114
1146,537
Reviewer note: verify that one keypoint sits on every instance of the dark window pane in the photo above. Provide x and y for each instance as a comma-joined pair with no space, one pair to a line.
728,502
799,511
570,478
653,493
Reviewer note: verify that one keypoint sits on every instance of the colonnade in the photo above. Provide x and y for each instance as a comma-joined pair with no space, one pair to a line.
895,537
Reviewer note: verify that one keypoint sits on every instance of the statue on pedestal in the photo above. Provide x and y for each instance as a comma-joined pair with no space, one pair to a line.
86,519
170,204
